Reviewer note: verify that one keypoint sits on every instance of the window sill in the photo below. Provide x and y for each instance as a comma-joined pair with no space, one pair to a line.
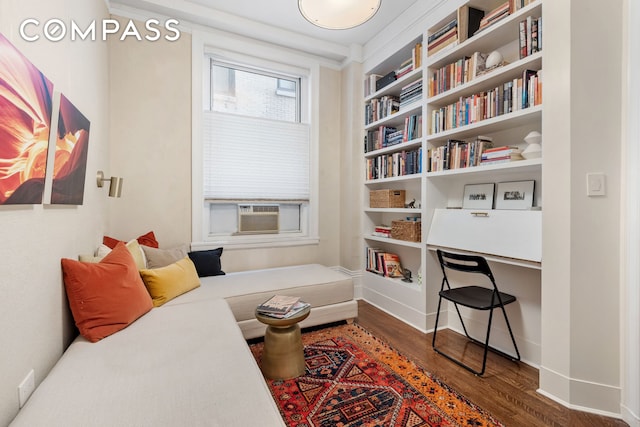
233,244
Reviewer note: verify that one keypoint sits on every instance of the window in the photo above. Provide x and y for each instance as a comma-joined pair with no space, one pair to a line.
256,153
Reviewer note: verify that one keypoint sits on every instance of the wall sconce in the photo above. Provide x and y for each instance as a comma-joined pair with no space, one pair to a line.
115,186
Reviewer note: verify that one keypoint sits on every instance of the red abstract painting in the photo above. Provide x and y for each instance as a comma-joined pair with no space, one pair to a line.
25,124
70,164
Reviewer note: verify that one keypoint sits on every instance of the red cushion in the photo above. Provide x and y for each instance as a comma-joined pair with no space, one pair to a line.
105,297
148,239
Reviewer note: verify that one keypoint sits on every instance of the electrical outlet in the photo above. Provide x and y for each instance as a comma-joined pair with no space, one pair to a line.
26,387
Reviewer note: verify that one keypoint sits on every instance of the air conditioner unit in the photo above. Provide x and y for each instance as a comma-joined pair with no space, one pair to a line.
258,219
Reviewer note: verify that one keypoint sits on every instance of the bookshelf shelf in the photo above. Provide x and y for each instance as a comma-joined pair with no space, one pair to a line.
396,179
531,165
398,147
397,284
397,119
528,116
417,245
394,210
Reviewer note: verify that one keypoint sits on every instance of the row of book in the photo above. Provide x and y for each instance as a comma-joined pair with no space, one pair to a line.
282,306
406,162
530,37
379,108
457,73
515,95
411,93
383,263
457,154
387,136
375,82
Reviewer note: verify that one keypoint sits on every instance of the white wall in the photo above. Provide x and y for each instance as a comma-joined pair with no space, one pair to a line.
581,253
151,149
36,324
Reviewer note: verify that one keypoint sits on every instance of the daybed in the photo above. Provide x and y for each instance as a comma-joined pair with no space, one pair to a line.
185,363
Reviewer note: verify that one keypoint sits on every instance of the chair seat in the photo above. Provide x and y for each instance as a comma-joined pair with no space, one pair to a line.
476,297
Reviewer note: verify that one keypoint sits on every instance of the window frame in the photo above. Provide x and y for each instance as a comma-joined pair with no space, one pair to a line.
288,63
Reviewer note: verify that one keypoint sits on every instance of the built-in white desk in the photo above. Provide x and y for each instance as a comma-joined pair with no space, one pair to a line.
507,236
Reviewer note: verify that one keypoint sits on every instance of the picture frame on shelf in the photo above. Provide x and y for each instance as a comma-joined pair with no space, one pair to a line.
478,196
515,195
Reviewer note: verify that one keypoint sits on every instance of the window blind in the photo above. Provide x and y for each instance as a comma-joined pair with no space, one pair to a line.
249,158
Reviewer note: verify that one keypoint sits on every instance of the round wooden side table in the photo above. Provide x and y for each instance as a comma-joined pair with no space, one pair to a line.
283,353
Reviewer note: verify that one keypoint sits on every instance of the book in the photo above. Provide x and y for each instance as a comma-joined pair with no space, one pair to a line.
391,265
468,21
277,304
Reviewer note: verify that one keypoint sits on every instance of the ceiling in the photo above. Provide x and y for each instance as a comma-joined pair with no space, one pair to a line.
273,20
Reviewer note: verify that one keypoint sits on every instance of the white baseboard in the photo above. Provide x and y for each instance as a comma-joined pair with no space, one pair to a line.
585,396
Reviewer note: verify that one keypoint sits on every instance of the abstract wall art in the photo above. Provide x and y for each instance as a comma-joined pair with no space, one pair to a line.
70,164
25,124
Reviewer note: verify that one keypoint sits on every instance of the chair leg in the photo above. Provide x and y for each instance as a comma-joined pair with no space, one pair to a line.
485,344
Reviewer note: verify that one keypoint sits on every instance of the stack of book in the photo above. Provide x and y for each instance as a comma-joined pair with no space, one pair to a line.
383,263
495,15
282,306
405,68
445,36
382,231
410,93
503,154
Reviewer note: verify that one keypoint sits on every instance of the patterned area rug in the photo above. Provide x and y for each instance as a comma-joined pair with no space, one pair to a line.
354,379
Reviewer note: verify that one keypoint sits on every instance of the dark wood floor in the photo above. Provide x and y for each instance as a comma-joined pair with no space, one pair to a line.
507,390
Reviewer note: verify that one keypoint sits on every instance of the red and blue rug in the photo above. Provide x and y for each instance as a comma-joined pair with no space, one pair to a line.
353,379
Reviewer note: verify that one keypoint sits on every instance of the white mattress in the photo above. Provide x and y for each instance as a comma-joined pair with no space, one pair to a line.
208,378
314,283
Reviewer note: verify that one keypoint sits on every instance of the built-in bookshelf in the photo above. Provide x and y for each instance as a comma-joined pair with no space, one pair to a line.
470,100
479,77
393,156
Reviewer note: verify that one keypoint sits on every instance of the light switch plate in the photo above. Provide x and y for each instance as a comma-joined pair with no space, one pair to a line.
596,184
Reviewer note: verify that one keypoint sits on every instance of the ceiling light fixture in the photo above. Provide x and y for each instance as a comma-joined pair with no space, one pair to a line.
338,14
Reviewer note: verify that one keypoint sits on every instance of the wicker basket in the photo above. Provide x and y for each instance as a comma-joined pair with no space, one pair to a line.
387,198
406,230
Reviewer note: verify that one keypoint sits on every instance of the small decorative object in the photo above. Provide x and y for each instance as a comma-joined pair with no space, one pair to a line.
515,195
407,275
478,196
493,60
534,149
411,204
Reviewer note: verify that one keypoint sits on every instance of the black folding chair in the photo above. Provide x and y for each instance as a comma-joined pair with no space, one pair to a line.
474,297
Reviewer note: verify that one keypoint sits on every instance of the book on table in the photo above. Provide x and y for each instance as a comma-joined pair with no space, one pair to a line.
282,306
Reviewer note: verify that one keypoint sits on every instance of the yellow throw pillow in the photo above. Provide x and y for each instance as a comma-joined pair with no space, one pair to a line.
166,283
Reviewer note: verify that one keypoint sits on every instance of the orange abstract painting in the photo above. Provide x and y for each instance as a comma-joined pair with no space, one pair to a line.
25,123
70,162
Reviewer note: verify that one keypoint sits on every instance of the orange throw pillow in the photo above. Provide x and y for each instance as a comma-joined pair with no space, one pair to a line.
148,239
107,296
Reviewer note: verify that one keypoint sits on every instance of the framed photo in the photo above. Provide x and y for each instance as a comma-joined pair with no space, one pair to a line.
515,195
478,196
